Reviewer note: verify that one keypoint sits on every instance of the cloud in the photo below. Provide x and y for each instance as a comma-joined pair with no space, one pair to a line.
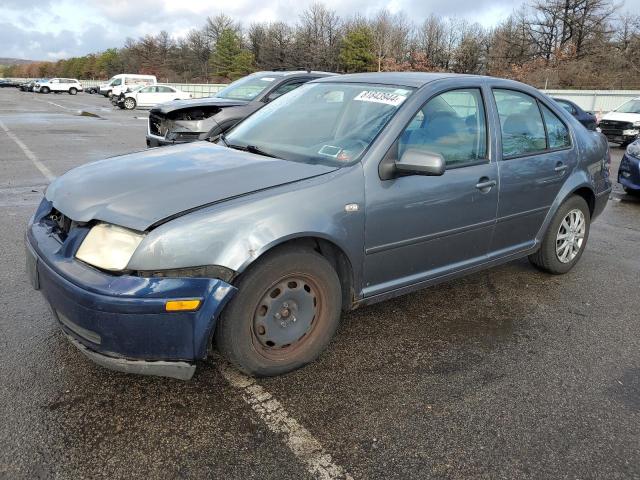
32,44
40,29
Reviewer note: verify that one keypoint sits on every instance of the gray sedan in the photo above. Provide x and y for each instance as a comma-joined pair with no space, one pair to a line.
344,192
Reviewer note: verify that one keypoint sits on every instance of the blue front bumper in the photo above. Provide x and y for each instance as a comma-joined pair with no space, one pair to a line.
629,172
120,319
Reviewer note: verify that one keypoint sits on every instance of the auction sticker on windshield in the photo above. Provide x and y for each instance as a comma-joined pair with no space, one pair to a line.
380,97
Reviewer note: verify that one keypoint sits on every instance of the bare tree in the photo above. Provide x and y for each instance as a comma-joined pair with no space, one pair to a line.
390,36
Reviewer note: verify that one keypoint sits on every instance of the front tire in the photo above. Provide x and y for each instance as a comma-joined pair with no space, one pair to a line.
44,90
565,239
73,91
285,313
129,103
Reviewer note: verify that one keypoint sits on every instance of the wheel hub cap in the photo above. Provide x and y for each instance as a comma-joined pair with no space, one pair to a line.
285,314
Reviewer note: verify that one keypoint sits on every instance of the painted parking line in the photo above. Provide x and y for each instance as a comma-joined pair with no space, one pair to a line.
28,153
299,440
61,106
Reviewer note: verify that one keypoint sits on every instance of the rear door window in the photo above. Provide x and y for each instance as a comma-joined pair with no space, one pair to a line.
557,131
521,123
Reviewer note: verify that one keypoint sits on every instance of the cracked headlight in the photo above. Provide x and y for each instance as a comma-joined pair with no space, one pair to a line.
109,247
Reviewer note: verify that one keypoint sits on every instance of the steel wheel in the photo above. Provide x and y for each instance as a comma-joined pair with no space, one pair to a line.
286,315
570,235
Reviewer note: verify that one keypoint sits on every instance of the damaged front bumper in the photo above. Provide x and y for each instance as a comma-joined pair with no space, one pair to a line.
120,321
163,131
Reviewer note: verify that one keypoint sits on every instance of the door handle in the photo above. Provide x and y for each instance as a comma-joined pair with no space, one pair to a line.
560,167
484,185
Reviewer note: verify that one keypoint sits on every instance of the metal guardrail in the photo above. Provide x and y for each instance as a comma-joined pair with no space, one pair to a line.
590,100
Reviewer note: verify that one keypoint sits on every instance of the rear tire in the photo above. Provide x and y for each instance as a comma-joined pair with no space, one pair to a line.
284,315
73,91
565,239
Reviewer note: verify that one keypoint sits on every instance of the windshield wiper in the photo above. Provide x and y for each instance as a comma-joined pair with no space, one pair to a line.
220,137
250,149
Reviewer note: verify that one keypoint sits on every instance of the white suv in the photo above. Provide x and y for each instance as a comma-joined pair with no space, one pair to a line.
58,85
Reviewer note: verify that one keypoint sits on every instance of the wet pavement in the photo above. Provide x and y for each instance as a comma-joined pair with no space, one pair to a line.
508,373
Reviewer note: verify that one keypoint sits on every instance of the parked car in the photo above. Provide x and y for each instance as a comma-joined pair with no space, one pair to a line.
124,81
149,96
587,119
345,192
622,125
629,170
5,83
27,86
92,89
198,119
32,84
58,85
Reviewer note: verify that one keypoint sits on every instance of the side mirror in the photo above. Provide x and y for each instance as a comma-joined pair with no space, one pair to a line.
418,162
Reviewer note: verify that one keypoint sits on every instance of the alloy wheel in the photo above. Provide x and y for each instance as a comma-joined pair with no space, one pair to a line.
570,237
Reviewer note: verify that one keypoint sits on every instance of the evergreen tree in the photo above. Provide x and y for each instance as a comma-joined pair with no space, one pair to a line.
356,52
226,49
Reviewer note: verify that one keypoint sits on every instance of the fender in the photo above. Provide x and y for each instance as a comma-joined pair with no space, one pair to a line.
235,233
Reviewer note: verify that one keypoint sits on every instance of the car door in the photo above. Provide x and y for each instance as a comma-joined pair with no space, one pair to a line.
165,94
537,155
423,227
146,96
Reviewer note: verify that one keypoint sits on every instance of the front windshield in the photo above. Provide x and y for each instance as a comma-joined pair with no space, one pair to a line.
632,106
330,123
246,88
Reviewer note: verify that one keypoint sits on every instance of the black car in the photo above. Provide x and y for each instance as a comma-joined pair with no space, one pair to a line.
587,119
4,83
183,121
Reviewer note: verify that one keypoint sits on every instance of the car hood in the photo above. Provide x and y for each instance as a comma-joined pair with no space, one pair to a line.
197,102
622,117
141,189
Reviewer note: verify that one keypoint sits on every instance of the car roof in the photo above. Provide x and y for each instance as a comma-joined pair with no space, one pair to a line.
415,79
294,73
407,79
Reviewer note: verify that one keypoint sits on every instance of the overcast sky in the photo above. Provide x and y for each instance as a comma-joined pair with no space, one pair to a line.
53,29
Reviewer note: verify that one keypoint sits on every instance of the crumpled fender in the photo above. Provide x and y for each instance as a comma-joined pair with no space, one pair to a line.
235,233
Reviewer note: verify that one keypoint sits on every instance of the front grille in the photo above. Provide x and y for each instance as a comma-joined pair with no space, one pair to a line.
614,127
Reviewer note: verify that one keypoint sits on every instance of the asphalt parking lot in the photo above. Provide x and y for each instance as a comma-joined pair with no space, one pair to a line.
508,373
